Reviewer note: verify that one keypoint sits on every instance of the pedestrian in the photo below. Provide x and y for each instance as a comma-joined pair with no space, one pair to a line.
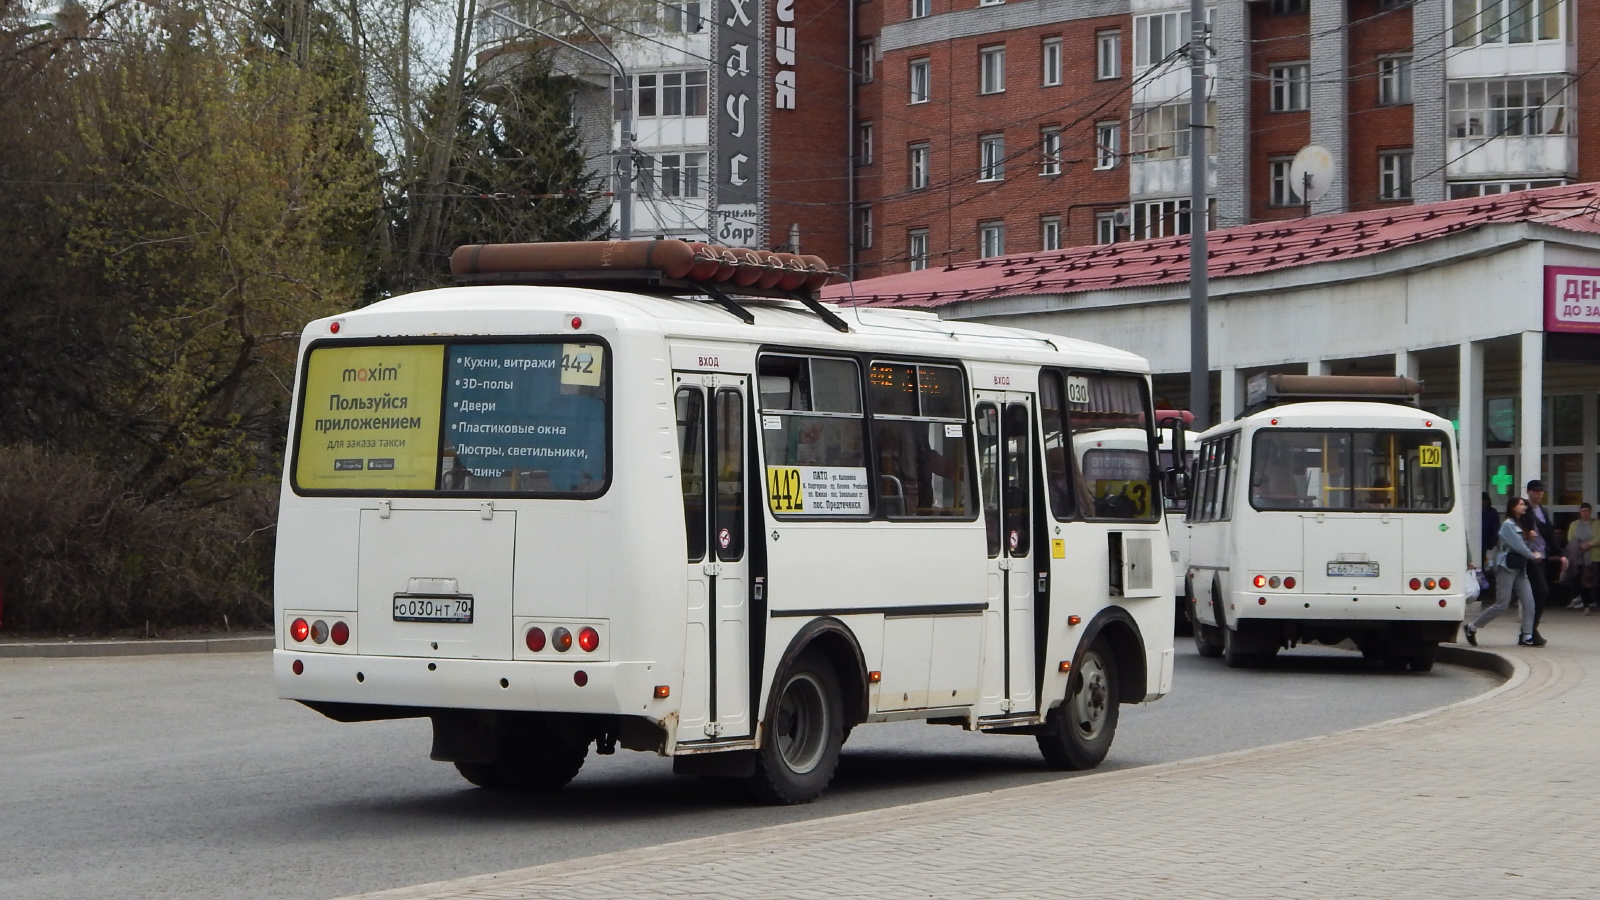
1513,560
1547,545
1583,549
1490,525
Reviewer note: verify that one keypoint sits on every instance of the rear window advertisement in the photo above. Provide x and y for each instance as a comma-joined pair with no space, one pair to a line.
473,418
370,419
524,418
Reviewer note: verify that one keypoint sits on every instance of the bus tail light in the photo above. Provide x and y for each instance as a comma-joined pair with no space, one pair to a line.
1261,600
1430,584
1416,584
580,678
1273,582
319,631
588,639
340,633
535,639
663,691
1260,581
1444,584
299,667
300,630
1443,603
1288,582
561,639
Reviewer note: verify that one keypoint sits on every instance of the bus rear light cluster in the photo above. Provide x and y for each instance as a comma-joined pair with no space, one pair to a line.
561,638
1429,584
319,631
1274,582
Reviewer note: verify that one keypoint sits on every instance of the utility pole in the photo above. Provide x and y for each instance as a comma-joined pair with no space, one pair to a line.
1199,218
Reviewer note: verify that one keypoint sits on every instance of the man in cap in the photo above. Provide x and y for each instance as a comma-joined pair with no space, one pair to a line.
1544,541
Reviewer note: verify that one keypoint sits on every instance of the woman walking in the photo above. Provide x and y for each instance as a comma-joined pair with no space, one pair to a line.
1511,560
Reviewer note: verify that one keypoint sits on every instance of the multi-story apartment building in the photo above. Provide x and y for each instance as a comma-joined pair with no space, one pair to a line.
891,135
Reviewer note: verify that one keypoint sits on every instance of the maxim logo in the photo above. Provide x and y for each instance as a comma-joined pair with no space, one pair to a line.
375,373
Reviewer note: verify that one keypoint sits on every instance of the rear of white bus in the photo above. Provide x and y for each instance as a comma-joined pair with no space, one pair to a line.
452,542
1352,528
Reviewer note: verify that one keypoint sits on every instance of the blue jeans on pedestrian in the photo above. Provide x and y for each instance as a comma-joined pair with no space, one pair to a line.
1505,582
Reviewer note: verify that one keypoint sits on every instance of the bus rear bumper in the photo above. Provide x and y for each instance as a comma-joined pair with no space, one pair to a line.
1344,607
619,688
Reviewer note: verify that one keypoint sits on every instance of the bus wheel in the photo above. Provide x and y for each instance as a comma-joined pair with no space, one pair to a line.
1206,641
528,762
802,735
1078,732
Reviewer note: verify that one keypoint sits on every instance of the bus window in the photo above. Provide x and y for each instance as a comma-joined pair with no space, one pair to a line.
730,476
919,432
1017,456
1057,473
692,468
812,430
989,472
1362,470
1114,445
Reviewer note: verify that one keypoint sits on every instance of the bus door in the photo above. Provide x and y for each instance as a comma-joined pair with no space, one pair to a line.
1005,476
712,457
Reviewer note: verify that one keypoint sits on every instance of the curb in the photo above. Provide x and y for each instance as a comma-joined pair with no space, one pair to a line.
61,649
1472,658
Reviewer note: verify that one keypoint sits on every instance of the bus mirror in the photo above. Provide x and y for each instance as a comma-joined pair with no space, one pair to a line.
1177,486
1174,424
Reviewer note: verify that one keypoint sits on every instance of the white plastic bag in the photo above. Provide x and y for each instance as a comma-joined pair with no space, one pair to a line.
1473,587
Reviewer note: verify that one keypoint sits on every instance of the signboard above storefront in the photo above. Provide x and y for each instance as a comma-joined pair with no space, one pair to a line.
1571,300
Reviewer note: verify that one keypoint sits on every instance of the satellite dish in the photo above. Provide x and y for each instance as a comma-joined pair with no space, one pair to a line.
1311,174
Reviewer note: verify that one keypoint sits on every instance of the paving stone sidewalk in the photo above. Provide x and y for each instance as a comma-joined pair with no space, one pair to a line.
1494,797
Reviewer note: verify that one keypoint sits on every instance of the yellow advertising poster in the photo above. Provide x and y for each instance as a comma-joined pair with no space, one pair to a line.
370,420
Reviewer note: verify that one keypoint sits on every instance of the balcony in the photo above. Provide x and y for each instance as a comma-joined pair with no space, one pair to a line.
1498,60
1533,156
1152,178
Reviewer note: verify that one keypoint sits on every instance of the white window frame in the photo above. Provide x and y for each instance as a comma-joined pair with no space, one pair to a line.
1107,145
659,92
1394,79
1050,150
1291,86
1489,108
1394,176
1157,36
864,144
864,227
1284,191
918,159
679,174
921,80
992,239
1162,131
992,69
868,50
1475,22
684,17
1108,54
1050,61
992,157
1460,190
921,9
917,248
1161,218
1049,233
1105,228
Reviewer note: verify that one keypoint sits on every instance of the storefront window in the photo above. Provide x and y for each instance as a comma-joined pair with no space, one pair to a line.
1568,477
1564,421
1500,423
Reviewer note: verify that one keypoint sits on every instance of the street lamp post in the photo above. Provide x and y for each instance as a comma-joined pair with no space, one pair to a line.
1199,219
625,170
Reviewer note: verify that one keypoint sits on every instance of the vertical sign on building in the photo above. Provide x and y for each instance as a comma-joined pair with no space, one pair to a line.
738,121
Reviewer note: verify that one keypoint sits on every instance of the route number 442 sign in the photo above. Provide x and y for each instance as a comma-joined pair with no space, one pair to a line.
818,490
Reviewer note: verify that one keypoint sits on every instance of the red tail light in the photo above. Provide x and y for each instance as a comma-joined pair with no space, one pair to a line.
300,630
561,639
341,633
299,667
1260,581
1416,584
1444,584
535,639
588,639
1288,582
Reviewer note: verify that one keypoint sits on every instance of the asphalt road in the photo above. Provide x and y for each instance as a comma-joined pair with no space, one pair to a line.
182,777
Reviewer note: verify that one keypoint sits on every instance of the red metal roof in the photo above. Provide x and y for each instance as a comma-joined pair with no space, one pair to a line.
1244,250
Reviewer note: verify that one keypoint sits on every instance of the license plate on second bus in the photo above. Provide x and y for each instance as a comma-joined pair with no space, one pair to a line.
1354,569
438,608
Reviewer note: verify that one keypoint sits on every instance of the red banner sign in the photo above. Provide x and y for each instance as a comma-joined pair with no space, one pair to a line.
1572,299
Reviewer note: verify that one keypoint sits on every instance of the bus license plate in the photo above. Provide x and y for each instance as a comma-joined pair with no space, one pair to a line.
420,608
1353,569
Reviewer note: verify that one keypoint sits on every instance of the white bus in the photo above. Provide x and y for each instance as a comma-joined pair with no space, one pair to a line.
1326,521
551,517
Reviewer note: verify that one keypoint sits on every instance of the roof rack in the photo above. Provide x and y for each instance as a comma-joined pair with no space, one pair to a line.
669,267
1266,390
